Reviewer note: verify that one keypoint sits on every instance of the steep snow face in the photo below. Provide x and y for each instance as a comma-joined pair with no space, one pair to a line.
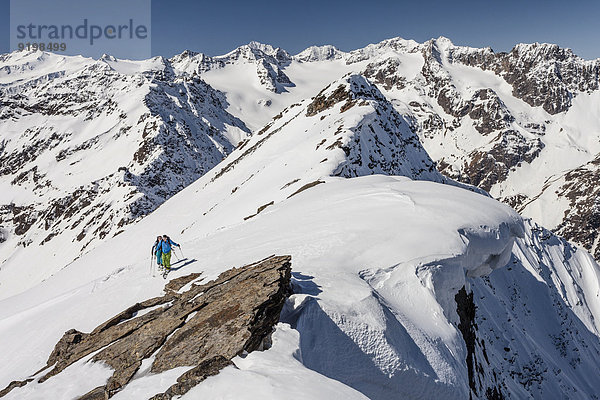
349,129
536,322
250,94
91,146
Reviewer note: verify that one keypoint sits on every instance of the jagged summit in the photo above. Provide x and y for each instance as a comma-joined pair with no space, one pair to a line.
107,57
255,51
320,53
443,41
352,87
265,48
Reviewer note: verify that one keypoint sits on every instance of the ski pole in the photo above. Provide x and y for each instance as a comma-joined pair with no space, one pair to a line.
151,266
181,251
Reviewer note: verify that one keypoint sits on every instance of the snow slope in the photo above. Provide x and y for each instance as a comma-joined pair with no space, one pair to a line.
85,142
522,125
341,254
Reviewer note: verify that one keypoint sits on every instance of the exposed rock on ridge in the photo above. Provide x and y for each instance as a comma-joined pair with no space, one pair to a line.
204,326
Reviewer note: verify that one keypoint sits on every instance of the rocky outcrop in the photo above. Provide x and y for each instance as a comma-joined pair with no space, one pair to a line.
540,74
321,102
581,222
510,149
204,326
488,112
385,73
478,365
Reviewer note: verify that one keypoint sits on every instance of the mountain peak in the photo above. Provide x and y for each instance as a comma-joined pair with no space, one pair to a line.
185,54
266,48
350,88
362,88
319,53
255,52
443,41
107,57
543,51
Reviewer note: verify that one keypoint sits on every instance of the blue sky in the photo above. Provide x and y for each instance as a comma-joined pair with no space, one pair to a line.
216,27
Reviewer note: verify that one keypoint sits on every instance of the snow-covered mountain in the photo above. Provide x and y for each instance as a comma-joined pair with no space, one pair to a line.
514,124
509,123
404,283
89,146
402,288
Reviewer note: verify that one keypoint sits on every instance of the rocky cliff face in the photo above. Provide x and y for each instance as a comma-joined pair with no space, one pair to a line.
195,324
541,74
578,188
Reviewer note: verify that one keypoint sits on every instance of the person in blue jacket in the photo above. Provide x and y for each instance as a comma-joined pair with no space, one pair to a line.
166,245
157,251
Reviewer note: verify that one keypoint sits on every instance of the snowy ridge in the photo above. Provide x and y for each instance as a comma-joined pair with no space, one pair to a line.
349,129
338,290
499,121
320,53
268,61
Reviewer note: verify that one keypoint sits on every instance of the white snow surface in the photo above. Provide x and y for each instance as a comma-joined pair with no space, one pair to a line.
369,254
80,140
360,248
